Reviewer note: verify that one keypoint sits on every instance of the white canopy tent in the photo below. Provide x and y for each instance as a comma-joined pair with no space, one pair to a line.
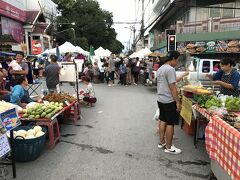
64,48
82,51
141,53
102,52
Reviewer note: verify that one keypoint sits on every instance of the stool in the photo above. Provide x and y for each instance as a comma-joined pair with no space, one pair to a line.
53,131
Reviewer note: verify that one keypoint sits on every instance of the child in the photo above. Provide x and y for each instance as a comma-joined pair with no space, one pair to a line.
88,95
13,64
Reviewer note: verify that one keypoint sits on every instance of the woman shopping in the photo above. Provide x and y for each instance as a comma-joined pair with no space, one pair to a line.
87,95
227,78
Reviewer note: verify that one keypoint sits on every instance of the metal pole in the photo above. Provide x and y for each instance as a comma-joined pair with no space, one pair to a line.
142,28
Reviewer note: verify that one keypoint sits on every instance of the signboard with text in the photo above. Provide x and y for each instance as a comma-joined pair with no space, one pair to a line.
10,119
186,111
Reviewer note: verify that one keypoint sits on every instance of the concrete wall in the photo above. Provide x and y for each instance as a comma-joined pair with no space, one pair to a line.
20,4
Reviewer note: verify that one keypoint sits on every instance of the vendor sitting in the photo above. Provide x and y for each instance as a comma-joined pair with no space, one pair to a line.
88,95
19,95
227,77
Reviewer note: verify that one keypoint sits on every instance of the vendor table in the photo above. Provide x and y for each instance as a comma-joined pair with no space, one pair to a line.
222,144
32,88
52,124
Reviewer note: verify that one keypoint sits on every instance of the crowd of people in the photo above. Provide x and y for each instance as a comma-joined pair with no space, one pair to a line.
123,71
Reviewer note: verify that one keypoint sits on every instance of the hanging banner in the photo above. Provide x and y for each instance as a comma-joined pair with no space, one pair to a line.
4,145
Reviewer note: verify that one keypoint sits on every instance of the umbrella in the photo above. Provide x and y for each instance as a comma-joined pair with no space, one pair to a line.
58,53
91,54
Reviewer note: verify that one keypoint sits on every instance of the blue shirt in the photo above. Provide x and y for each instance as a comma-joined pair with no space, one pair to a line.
234,78
17,94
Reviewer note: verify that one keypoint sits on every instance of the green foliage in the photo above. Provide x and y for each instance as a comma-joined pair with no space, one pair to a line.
213,102
232,103
93,26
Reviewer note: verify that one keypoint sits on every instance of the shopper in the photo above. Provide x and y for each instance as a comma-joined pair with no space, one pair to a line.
111,70
88,94
227,78
52,72
168,102
136,70
123,72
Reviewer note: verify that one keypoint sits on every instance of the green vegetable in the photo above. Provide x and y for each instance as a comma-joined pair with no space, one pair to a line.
213,102
232,103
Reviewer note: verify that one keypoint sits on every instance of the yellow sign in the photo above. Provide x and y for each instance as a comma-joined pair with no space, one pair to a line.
186,111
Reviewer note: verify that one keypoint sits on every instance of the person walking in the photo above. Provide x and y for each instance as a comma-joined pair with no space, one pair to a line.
52,72
123,72
168,102
111,70
136,70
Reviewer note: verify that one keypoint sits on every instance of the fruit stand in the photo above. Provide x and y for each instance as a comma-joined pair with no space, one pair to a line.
46,114
222,133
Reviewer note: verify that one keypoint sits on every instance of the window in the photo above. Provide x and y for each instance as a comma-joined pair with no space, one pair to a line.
216,65
202,14
206,67
215,12
226,13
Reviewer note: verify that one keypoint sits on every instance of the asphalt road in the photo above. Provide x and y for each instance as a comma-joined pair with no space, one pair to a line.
116,139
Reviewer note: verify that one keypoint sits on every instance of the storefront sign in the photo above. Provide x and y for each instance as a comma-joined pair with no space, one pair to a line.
12,12
36,47
228,46
13,28
186,111
10,119
210,47
4,145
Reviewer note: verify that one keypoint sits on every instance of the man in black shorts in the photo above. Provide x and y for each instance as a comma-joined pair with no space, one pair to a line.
168,102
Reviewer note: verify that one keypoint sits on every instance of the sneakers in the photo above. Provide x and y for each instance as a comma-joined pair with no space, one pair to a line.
160,146
173,150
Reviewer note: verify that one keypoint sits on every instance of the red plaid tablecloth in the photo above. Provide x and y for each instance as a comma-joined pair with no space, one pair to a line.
222,143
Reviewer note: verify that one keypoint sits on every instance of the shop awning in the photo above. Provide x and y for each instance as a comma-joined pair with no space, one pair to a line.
32,16
40,28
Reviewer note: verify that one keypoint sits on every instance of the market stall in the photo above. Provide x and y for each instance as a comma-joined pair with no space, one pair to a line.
45,114
222,133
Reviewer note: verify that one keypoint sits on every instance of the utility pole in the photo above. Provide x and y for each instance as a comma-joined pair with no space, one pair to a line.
142,27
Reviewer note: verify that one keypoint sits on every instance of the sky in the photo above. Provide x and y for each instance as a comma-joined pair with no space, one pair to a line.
123,11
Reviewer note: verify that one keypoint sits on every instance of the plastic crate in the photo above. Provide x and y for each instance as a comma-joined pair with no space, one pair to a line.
28,149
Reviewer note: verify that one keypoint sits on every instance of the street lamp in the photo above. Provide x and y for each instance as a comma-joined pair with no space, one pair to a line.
73,23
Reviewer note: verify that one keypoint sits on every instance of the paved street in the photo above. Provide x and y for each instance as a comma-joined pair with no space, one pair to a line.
116,139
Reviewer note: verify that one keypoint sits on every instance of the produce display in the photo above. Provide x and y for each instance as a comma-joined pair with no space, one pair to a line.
202,91
201,100
4,106
30,134
59,97
213,101
232,104
232,119
191,88
42,111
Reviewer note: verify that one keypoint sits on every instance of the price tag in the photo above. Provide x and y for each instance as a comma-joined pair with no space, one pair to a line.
4,145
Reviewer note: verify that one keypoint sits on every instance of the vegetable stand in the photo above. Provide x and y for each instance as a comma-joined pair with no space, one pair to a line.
222,144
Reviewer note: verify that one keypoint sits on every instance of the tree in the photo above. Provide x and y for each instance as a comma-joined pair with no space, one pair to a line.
93,26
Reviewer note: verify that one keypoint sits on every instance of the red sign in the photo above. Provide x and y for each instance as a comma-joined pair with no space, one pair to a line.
12,12
36,47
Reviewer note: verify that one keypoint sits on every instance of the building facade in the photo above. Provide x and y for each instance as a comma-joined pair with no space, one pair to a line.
24,25
209,29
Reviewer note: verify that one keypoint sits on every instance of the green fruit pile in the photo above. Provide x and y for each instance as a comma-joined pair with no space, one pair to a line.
232,104
42,111
213,102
